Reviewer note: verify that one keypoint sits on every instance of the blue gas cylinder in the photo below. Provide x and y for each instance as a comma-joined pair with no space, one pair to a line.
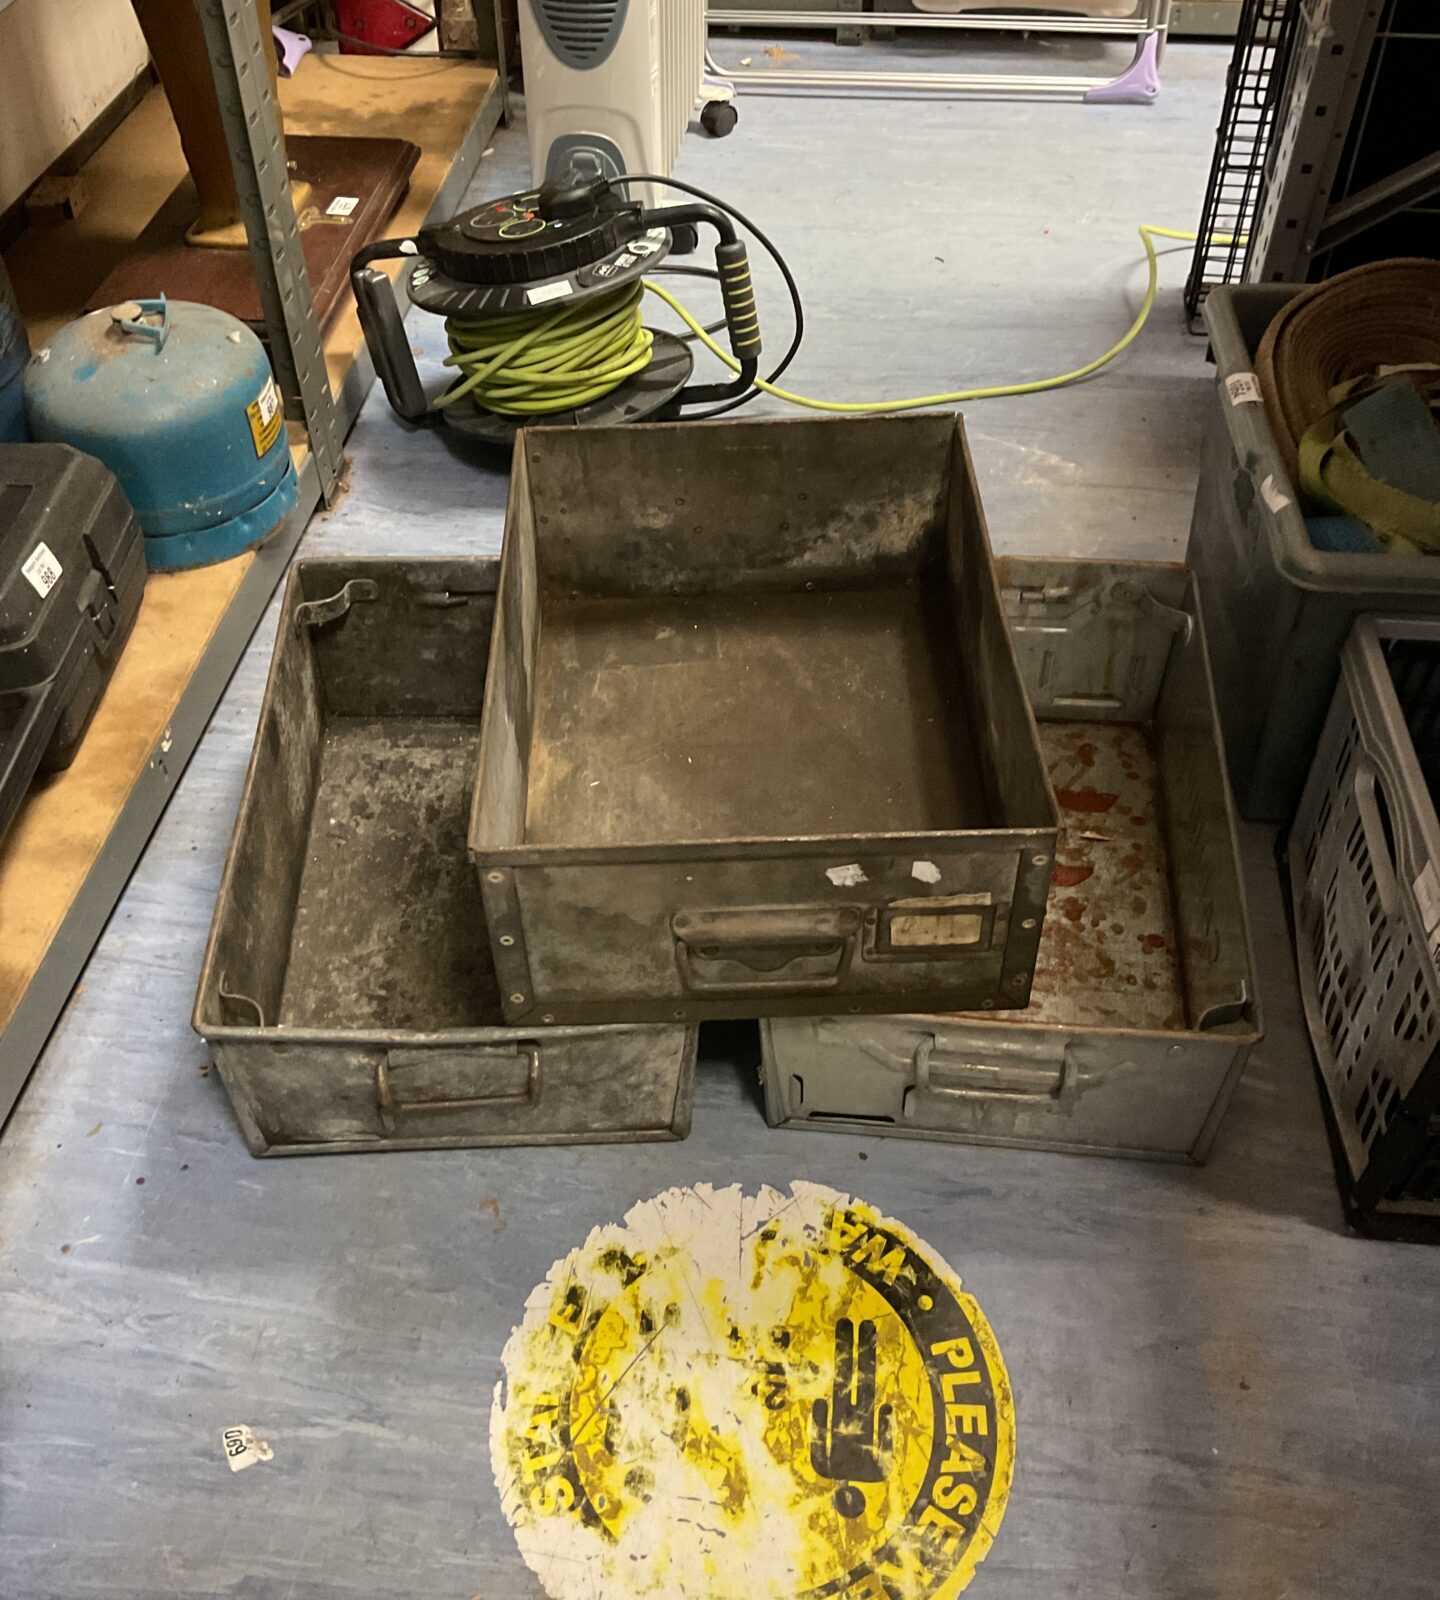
177,399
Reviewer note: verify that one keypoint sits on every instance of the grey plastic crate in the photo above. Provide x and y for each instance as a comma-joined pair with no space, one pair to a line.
1277,610
1143,1009
348,995
1365,884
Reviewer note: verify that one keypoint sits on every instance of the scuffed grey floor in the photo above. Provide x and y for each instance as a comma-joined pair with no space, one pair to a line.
1219,1391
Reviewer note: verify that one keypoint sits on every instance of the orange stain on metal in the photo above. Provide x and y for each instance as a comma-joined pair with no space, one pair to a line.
1107,952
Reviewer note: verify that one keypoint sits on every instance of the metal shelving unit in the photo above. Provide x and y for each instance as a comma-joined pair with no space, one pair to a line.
1147,24
297,353
262,183
1356,168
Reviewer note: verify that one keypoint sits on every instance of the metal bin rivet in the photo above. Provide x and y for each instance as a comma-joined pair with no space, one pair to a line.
507,939
496,877
517,999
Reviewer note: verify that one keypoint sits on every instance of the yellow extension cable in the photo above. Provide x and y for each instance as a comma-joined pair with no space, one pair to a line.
1148,233
532,363
535,363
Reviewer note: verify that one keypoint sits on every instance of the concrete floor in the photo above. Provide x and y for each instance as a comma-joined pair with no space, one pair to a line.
1220,1392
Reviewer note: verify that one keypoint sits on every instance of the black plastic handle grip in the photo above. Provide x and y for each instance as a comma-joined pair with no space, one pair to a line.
385,339
742,317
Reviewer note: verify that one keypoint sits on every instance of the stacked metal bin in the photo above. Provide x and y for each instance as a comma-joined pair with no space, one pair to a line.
1144,1006
755,742
751,736
348,993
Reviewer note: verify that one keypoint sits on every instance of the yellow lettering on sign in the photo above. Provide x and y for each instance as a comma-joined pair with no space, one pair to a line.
556,1496
905,1570
952,1495
541,1423
958,1352
951,1381
949,1531
960,1457
542,1461
965,1419
871,1252
845,1228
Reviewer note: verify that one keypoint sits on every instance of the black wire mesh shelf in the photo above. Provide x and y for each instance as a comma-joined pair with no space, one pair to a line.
1254,88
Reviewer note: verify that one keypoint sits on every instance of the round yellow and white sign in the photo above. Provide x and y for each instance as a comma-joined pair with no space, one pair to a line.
753,1397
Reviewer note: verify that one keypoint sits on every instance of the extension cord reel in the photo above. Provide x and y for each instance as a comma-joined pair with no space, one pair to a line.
513,276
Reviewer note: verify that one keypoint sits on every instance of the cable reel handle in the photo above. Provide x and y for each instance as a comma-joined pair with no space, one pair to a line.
737,290
384,329
732,259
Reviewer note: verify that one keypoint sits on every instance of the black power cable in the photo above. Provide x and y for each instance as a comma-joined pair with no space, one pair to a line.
775,256
693,272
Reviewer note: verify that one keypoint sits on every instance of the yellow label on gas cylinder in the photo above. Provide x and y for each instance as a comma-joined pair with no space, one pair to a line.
759,1397
267,417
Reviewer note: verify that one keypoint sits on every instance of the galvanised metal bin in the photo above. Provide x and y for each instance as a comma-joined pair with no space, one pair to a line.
1278,610
755,742
348,996
1144,1006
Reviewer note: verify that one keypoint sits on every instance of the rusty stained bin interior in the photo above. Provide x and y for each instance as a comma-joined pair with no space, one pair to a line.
1146,926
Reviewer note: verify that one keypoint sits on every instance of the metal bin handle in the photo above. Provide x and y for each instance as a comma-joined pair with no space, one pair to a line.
796,949
988,1078
391,1107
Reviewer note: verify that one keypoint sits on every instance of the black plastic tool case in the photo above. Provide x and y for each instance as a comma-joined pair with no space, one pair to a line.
72,571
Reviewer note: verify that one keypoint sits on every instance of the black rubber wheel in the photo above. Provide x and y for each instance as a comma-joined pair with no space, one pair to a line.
684,239
718,118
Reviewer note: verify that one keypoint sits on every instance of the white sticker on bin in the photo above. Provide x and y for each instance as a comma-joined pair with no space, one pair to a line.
850,876
1243,389
243,1449
549,291
41,570
342,205
1272,494
1427,896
